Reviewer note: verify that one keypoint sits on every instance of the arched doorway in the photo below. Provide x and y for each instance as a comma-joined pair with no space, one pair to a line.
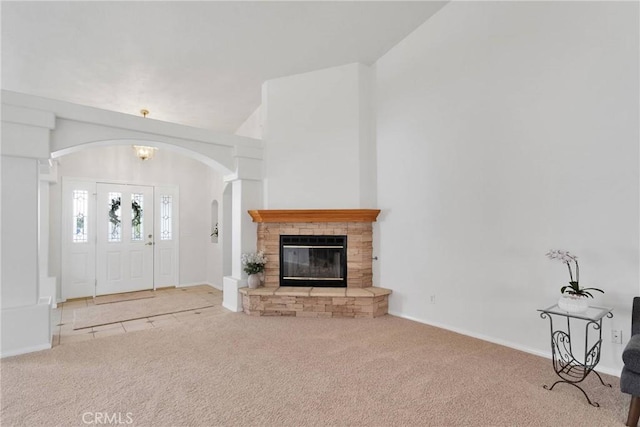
36,128
103,252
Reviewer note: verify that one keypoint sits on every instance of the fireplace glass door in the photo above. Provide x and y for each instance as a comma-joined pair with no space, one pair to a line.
313,261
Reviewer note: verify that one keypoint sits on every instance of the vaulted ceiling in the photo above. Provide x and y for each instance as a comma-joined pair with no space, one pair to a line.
196,63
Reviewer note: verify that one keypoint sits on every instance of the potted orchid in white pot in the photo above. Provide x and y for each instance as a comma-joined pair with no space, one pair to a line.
254,265
574,299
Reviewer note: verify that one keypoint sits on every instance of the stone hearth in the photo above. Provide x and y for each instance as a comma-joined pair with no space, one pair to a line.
316,302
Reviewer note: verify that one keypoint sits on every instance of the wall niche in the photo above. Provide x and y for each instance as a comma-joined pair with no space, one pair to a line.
215,228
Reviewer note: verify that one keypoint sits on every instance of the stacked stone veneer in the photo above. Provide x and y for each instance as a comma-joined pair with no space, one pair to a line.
316,302
359,247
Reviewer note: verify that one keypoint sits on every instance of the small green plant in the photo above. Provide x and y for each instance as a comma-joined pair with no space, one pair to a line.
574,287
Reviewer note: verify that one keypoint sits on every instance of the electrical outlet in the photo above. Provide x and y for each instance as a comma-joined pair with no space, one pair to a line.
616,336
433,299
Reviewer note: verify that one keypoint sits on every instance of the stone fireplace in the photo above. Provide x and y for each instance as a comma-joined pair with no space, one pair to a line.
355,224
319,264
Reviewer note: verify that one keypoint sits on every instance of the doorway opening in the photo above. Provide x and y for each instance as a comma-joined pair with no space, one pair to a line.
118,237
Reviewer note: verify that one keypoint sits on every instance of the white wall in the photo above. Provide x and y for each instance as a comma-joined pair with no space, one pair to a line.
314,132
19,231
198,185
252,127
506,129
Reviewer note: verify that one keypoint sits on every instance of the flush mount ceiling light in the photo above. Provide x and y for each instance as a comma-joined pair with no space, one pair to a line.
144,152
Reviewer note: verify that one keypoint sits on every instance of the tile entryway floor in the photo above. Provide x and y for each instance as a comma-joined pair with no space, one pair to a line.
64,333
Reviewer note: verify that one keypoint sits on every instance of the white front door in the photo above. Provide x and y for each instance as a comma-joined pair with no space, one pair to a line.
125,240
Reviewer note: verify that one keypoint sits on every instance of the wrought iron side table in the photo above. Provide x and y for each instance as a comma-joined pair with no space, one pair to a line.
571,370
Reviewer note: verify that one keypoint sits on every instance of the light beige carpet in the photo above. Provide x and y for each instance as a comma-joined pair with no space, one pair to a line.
230,369
97,315
127,296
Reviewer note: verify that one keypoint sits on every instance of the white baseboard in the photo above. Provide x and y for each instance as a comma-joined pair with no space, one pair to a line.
25,350
536,352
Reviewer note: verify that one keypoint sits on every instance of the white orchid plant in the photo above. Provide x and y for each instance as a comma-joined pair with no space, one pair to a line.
574,287
254,262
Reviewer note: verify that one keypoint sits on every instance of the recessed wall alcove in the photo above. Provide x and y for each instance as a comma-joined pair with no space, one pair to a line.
215,224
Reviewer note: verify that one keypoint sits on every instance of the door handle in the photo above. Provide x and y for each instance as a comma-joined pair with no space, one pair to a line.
150,244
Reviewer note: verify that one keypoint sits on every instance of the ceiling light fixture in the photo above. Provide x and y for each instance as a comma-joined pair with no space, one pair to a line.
144,152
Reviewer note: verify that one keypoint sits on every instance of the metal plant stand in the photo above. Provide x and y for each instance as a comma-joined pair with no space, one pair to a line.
571,370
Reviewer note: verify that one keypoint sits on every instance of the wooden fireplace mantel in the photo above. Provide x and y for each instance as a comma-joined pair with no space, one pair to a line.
315,215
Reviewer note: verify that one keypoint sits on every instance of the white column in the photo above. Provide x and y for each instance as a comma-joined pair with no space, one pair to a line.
48,285
26,316
246,195
19,231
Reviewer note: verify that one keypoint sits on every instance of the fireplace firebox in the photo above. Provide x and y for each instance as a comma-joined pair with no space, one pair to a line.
313,261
